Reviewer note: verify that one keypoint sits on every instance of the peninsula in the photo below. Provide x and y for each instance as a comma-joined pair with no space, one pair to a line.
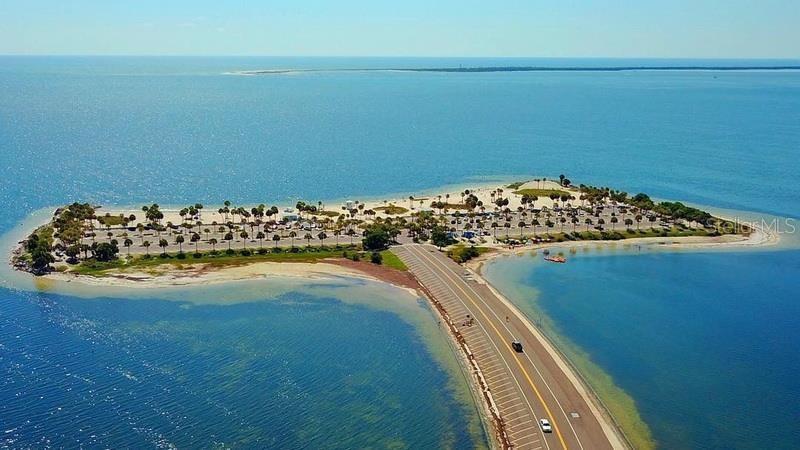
419,242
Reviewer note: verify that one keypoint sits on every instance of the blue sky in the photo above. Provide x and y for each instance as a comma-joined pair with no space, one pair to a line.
565,28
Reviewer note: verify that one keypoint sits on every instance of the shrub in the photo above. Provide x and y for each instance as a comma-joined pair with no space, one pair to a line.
181,255
246,252
230,251
376,258
197,255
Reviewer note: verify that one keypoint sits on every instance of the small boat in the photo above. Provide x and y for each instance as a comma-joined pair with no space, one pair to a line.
556,259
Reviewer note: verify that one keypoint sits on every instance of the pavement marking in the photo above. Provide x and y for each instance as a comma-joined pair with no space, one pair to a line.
480,324
516,358
547,385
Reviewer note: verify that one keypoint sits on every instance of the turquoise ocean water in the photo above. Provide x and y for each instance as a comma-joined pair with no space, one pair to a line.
257,370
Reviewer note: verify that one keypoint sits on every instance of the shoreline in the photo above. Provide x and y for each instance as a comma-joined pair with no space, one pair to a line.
758,238
196,273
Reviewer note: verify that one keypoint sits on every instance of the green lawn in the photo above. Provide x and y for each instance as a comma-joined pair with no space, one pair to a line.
541,193
392,210
391,260
220,259
112,220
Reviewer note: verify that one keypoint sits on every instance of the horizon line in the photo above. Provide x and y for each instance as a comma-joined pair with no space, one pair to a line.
189,55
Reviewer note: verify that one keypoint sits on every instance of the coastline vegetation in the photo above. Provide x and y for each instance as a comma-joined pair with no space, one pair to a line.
461,253
392,210
234,258
534,192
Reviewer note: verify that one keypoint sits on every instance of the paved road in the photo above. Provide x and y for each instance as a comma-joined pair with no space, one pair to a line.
525,386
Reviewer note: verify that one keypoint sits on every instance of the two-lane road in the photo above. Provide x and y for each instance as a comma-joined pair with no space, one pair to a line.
526,386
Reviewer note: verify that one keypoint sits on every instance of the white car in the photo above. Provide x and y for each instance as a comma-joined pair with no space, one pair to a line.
545,424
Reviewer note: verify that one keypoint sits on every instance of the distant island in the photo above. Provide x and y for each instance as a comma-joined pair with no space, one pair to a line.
532,69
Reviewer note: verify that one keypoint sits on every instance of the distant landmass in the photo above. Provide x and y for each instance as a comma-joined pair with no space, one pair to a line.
526,69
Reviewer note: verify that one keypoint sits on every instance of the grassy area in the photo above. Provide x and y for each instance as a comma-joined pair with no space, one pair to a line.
392,210
218,259
461,253
112,221
327,213
515,185
459,206
541,193
391,260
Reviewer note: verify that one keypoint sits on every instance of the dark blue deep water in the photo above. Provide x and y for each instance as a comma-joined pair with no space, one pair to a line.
703,342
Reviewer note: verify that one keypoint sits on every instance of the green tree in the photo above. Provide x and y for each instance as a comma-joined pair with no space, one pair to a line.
105,251
127,243
276,238
179,240
195,238
146,245
260,236
376,237
440,237
376,258
213,242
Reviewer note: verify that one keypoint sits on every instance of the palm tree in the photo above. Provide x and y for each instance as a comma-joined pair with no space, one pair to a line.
196,239
163,244
146,245
228,237
276,238
308,238
213,242
588,222
179,241
260,236
521,225
336,233
614,221
638,221
127,243
140,229
292,234
244,237
322,236
351,233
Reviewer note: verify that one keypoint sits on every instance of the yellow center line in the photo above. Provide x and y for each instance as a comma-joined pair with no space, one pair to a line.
519,363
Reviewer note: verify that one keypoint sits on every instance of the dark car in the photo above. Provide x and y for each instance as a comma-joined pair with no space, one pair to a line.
517,346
